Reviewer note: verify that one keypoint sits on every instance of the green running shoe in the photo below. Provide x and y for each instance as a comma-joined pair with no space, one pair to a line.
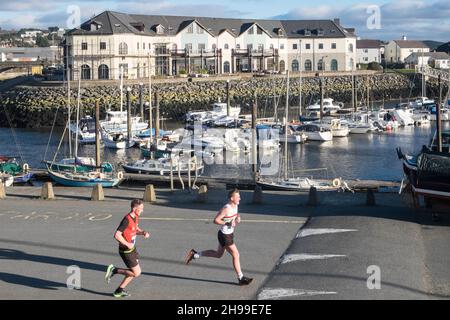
109,273
121,294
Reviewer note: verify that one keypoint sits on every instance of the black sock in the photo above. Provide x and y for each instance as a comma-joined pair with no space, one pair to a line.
119,290
114,271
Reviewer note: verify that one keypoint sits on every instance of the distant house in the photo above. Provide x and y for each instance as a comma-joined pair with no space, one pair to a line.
438,60
368,51
398,50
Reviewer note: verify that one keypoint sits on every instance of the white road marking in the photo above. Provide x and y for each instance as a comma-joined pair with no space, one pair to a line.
276,293
211,220
305,257
312,232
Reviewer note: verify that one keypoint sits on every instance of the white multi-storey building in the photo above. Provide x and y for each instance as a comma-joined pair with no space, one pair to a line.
368,51
398,50
170,45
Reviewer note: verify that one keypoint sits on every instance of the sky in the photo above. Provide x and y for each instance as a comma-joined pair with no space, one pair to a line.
375,19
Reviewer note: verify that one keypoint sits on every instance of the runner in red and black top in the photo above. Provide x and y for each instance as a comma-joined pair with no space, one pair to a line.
227,219
126,236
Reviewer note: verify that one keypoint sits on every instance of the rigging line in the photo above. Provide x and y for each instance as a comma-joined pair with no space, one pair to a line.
13,133
51,134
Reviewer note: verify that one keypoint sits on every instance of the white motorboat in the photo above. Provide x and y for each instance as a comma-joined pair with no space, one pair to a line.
116,121
292,135
337,128
164,166
86,130
219,109
404,117
315,132
329,107
116,140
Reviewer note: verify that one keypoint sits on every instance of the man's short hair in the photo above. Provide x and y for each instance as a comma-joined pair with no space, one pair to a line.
136,202
232,193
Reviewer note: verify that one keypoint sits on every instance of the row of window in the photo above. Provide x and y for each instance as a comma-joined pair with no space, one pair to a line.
123,47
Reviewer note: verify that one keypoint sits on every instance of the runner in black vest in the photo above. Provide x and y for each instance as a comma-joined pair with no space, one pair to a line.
227,219
126,236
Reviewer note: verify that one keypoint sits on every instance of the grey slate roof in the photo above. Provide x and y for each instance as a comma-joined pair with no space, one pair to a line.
116,23
368,44
410,44
432,55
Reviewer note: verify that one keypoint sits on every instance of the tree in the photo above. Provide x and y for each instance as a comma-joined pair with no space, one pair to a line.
42,42
374,66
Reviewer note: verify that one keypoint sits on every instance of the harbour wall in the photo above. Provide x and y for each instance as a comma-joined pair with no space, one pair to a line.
27,106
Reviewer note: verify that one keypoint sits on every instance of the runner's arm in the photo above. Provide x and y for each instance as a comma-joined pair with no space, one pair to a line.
219,217
119,237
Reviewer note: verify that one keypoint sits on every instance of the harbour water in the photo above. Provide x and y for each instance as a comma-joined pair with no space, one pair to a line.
368,156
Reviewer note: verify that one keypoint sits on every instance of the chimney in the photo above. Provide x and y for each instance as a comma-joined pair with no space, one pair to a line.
337,21
404,38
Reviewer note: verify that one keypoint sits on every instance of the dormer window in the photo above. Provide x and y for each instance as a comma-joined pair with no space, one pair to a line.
159,29
320,32
138,26
307,32
280,32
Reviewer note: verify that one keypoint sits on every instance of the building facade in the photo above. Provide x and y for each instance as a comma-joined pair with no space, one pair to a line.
368,51
398,50
438,60
115,43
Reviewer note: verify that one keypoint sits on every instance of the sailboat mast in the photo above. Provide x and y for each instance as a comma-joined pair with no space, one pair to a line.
150,98
78,110
121,88
286,128
68,99
300,84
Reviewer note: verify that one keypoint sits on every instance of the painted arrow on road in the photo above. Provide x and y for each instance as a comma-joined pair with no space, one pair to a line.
305,257
312,232
276,293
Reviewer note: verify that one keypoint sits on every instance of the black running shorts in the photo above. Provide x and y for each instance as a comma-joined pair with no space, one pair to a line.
225,239
131,259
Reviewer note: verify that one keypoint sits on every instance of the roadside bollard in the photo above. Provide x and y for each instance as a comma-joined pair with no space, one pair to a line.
149,194
313,198
2,190
47,191
97,193
370,199
202,194
257,195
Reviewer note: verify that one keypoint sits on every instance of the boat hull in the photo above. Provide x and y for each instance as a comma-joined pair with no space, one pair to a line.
65,181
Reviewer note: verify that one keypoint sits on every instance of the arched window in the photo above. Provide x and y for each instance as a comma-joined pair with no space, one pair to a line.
226,47
238,46
282,66
334,65
226,67
350,47
123,48
85,72
351,64
295,66
320,65
103,72
308,65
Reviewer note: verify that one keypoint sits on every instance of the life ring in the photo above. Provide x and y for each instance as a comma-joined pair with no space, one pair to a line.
336,183
120,175
25,167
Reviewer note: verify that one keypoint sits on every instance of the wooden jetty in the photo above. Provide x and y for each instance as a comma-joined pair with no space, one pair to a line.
242,183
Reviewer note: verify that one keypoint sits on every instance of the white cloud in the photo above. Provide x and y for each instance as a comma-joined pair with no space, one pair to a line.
417,19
